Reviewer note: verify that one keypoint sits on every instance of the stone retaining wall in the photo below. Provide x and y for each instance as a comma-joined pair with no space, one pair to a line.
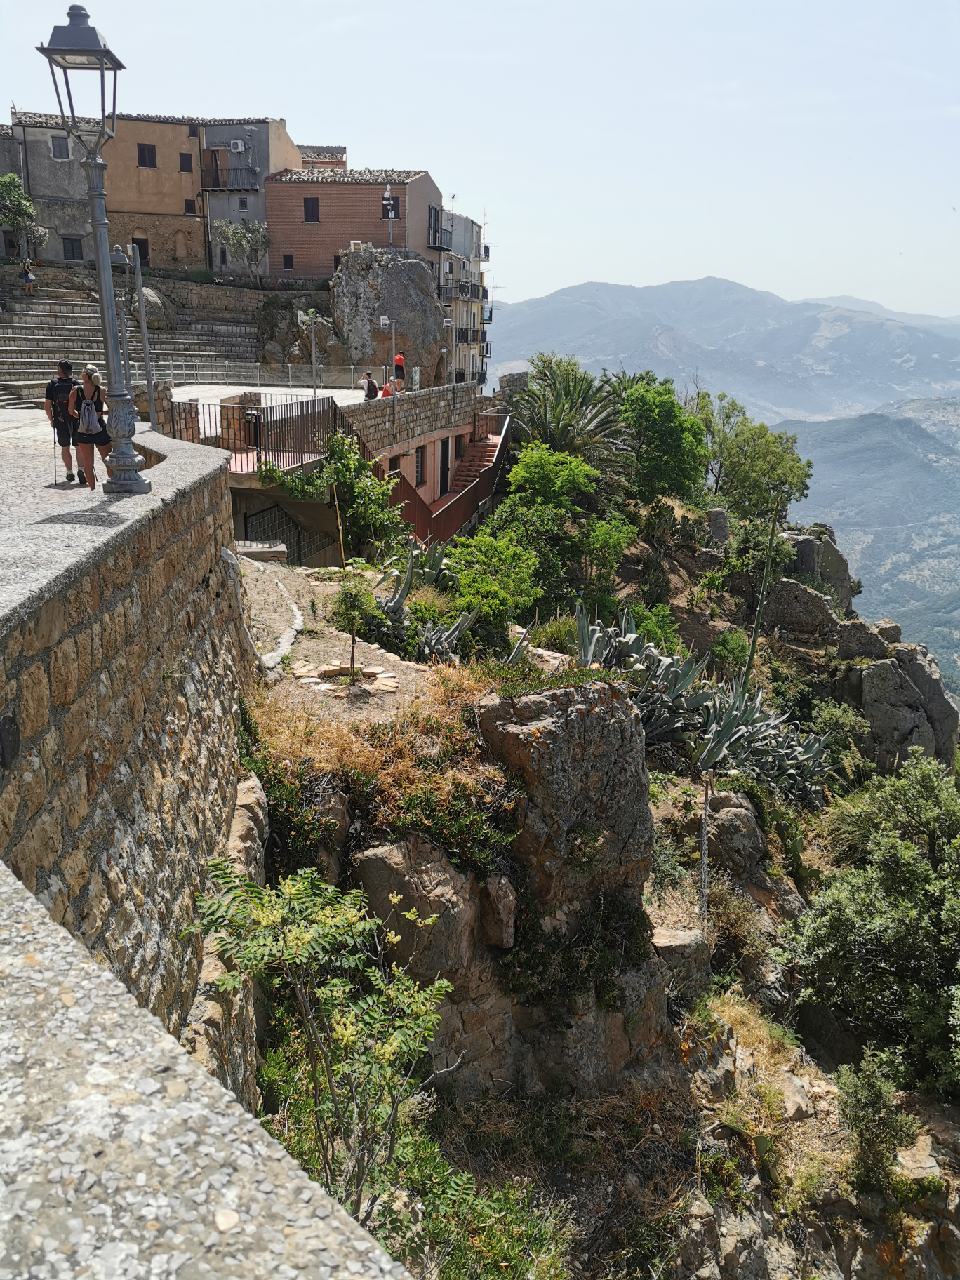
121,679
383,424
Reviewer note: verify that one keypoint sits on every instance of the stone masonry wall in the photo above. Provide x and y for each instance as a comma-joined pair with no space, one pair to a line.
383,424
122,685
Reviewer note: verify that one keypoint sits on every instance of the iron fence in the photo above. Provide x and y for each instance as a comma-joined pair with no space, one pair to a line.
290,434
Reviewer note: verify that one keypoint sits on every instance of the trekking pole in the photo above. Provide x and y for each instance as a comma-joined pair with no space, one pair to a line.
54,459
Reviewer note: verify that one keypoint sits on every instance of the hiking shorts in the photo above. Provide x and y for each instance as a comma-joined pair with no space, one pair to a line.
64,434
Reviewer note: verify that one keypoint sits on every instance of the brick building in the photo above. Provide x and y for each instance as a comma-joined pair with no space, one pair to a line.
313,215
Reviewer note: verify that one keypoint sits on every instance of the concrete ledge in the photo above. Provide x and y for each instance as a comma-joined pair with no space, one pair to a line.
120,1156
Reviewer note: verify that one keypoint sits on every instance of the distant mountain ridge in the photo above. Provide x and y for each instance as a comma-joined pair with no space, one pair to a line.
810,359
889,484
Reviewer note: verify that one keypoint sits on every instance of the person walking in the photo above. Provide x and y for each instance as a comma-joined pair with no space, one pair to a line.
56,403
369,384
399,370
87,407
27,277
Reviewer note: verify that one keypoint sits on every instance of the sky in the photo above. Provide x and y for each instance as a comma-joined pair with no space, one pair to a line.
808,147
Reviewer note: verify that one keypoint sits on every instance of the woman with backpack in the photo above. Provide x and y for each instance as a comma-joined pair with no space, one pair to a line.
86,407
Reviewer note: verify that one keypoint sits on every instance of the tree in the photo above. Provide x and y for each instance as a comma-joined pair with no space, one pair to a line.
751,467
566,408
868,1106
545,475
496,577
363,1023
17,212
248,242
365,517
666,442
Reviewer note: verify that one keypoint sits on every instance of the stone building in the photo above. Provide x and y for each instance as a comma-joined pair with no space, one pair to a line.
315,214
47,161
154,191
237,157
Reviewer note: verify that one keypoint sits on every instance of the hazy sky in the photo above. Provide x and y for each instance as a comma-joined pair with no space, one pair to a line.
809,147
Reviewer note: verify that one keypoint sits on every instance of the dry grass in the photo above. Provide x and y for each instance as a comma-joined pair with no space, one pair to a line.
433,743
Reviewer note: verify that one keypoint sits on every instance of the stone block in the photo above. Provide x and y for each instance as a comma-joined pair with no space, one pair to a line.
33,696
64,676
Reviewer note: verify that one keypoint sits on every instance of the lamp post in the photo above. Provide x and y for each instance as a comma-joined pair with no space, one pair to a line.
387,323
127,260
388,212
79,47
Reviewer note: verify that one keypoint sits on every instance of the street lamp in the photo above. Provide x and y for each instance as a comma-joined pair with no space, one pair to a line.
388,210
385,324
79,47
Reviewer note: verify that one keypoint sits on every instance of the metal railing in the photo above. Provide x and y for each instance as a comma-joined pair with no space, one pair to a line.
438,525
486,253
291,435
192,372
439,238
241,178
463,335
487,315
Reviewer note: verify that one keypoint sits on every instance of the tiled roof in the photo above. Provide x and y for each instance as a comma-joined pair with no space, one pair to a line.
42,120
321,153
5,131
377,176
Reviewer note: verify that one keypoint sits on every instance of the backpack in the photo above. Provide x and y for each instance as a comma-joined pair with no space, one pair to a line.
89,422
372,389
61,397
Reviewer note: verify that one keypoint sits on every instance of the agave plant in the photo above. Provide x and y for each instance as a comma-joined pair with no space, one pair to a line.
421,566
438,643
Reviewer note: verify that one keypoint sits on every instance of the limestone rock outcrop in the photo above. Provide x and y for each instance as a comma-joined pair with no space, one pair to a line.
371,283
903,699
800,612
817,558
581,855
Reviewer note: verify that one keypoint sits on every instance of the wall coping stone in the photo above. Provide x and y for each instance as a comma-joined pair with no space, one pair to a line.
50,537
119,1155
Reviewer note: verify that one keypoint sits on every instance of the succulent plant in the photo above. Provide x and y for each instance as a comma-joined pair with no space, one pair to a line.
438,642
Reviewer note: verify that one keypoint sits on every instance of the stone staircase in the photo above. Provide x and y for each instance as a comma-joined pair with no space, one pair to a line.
58,323
477,458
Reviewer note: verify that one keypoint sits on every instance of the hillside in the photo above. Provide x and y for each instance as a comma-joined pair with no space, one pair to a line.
889,484
783,359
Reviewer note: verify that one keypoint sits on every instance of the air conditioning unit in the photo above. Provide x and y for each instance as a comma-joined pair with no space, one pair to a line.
356,246
238,144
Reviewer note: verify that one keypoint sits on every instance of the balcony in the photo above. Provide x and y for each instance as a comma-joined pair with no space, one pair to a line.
486,253
447,292
485,350
474,335
484,294
488,315
463,336
439,238
217,179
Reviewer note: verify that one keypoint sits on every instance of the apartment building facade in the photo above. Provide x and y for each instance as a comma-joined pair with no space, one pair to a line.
313,215
46,159
465,297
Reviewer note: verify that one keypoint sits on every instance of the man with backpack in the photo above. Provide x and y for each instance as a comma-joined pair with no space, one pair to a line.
56,403
370,388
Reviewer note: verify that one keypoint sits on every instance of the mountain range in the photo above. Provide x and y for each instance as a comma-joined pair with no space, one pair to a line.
889,484
820,358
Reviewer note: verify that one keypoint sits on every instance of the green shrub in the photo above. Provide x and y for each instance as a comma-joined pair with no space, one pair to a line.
496,577
729,652
354,607
558,634
880,947
657,626
847,733
868,1106
474,834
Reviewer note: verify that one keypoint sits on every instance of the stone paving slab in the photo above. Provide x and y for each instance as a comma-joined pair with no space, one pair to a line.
120,1158
53,532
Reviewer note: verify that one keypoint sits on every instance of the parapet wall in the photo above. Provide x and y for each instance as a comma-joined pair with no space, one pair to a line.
122,657
382,424
121,679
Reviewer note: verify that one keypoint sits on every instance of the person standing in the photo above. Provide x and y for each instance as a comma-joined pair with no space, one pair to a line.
27,277
56,402
399,370
87,407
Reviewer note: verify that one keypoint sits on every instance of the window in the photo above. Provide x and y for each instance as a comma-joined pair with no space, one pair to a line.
421,459
72,249
190,206
242,204
394,464
146,155
459,446
186,162
223,256
311,208
288,262
60,146
193,131
390,207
